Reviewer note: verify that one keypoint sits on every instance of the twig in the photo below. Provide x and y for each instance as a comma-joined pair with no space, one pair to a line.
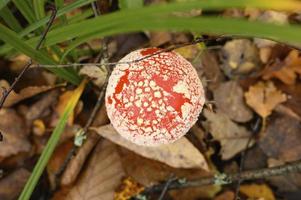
171,48
165,189
5,91
223,179
255,129
74,148
241,167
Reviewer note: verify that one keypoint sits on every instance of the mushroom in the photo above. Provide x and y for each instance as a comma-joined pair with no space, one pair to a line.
154,100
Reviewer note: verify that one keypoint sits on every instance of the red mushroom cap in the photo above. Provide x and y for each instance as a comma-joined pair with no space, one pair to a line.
156,100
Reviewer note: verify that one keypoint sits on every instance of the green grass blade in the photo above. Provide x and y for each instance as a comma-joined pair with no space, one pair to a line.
3,3
77,4
117,22
10,19
13,39
26,10
39,8
59,4
129,4
51,144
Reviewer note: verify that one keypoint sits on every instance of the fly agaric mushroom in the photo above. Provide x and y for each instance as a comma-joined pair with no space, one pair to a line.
155,100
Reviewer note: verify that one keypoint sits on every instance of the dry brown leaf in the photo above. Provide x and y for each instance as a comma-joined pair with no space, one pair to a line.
288,71
77,162
101,177
75,165
255,191
263,97
180,154
228,195
282,139
25,93
159,38
229,99
233,138
210,66
96,73
14,133
149,172
57,160
36,110
12,185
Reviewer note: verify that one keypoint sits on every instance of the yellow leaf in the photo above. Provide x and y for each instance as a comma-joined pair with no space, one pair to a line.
263,97
129,188
257,191
288,72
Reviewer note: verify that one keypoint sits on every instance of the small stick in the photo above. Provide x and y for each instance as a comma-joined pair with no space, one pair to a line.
6,92
223,179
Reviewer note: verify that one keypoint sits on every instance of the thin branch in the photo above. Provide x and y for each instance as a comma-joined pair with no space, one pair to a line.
223,179
5,91
241,167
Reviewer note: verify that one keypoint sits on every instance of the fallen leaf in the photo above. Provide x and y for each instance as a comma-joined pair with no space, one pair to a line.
159,38
228,195
232,137
255,158
12,185
256,191
14,133
210,66
57,161
129,188
37,109
150,172
96,73
263,97
178,154
282,139
75,165
287,70
25,93
102,175
62,103
229,98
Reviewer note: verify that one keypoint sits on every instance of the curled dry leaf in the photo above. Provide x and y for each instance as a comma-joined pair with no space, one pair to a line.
11,185
75,165
102,175
96,73
36,110
180,154
229,99
232,137
25,93
14,133
287,70
263,97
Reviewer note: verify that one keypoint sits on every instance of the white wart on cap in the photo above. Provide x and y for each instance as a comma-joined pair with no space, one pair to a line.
156,100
